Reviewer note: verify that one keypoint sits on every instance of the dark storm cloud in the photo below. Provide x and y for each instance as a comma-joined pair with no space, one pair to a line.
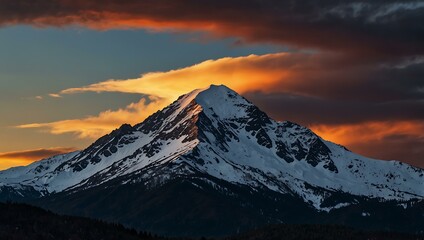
372,28
309,110
367,82
328,76
324,90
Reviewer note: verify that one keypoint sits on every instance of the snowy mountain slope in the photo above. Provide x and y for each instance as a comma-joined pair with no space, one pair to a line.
218,133
120,145
17,182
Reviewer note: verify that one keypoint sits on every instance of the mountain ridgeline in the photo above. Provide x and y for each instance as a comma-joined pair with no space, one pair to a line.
212,164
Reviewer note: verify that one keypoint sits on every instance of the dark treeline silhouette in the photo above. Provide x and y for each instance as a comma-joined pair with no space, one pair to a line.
21,221
319,232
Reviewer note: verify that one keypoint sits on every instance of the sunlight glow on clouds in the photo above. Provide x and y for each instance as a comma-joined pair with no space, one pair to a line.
305,24
351,134
97,126
22,158
389,140
241,73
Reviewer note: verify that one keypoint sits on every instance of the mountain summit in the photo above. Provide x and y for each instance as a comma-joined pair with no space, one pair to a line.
212,157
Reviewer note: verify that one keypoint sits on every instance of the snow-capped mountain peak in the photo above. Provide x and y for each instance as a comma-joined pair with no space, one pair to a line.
215,132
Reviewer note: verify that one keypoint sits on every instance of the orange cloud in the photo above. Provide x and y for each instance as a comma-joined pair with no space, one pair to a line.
22,158
54,95
388,140
367,132
96,126
242,74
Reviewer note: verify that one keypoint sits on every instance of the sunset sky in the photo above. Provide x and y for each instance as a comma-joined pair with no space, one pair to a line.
73,70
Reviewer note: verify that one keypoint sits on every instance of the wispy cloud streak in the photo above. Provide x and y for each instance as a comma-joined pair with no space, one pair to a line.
25,157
